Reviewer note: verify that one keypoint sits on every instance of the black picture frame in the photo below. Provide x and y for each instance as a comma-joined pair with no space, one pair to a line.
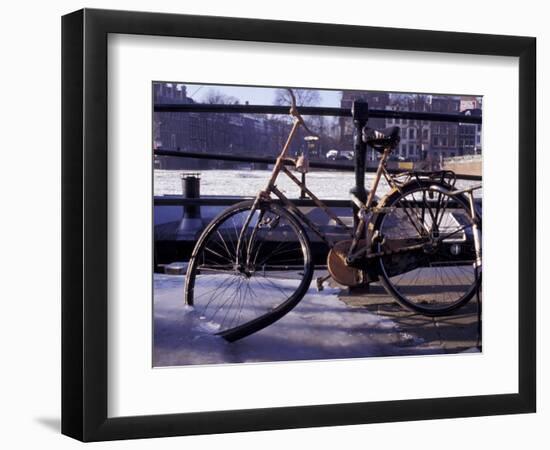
84,224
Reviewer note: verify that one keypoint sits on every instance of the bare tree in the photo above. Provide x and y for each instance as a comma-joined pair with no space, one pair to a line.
215,97
304,97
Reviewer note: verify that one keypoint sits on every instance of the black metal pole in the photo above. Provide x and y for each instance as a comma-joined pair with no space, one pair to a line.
313,111
360,114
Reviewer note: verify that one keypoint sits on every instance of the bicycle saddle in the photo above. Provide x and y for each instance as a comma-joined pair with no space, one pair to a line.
381,139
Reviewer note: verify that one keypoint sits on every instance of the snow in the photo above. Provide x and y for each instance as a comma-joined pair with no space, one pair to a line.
319,327
324,184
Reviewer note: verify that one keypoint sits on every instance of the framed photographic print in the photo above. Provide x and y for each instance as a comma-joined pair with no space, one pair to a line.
273,224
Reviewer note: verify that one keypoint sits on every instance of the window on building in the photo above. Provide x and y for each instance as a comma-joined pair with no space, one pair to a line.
411,133
425,134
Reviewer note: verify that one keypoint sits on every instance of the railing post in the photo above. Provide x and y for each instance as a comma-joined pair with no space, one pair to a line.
360,115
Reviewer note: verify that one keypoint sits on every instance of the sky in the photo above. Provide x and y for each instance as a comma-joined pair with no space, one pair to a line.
255,95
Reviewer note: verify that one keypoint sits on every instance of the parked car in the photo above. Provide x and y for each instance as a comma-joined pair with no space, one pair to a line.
339,155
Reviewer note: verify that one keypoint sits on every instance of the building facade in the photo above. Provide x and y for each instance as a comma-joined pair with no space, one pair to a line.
217,133
263,135
376,100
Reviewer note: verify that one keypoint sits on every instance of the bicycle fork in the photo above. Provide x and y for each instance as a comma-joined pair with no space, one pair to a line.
239,262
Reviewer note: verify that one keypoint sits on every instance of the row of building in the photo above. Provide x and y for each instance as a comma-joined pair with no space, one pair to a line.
246,134
236,134
422,140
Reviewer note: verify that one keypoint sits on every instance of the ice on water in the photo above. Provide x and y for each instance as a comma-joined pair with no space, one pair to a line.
324,184
319,327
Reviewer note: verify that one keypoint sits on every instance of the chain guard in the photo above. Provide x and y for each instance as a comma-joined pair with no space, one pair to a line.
345,274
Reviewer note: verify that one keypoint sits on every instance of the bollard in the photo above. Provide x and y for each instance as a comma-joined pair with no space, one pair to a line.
191,221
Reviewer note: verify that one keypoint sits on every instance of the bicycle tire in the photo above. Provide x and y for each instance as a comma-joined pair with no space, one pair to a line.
248,325
422,303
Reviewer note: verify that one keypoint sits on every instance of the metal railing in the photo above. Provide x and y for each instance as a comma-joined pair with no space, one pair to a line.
176,200
305,110
315,111
173,200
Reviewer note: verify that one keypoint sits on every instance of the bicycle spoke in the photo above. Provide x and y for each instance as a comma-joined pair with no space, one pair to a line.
230,290
429,278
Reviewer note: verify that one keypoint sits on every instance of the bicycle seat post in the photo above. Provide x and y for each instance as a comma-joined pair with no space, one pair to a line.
360,115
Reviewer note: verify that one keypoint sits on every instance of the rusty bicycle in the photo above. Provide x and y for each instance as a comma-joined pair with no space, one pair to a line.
422,242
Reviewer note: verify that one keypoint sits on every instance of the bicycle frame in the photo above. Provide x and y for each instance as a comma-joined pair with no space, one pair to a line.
271,188
363,209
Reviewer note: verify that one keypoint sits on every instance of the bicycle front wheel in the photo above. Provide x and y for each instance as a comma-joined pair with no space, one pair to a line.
250,267
430,264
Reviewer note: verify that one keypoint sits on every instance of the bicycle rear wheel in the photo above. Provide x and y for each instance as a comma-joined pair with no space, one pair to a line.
238,290
428,236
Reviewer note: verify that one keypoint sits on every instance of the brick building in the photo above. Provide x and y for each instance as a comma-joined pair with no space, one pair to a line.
376,100
469,138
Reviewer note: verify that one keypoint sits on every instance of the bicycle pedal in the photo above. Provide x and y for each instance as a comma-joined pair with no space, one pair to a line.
320,281
320,286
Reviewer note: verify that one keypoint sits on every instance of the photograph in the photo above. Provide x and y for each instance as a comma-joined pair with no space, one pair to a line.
298,223
275,225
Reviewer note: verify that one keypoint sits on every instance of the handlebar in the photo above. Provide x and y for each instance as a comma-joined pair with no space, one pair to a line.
294,113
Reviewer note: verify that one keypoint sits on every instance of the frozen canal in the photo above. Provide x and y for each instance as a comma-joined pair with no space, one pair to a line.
247,183
322,326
